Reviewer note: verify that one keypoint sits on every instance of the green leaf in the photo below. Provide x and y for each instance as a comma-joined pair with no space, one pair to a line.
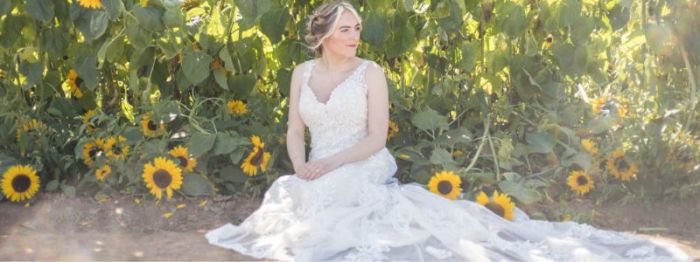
226,58
215,27
54,40
114,8
52,186
273,23
375,29
33,72
581,30
568,11
442,157
225,143
233,174
92,23
41,10
251,10
173,17
429,119
196,66
601,124
196,185
540,142
519,191
87,70
241,83
201,143
513,17
5,7
149,18
220,78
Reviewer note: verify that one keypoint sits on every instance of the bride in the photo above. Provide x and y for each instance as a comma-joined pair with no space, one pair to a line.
344,204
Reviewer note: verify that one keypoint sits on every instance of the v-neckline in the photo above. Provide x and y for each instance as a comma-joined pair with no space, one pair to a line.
341,83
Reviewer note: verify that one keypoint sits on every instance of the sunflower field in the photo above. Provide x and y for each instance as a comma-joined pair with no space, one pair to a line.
538,100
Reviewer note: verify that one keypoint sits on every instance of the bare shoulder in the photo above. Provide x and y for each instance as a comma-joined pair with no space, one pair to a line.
299,69
374,72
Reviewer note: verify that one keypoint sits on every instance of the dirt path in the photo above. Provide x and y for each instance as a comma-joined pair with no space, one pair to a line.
59,228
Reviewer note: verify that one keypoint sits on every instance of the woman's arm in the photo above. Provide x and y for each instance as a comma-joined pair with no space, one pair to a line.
295,125
378,124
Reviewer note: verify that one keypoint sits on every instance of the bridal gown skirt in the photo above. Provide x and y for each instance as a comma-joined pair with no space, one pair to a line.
360,212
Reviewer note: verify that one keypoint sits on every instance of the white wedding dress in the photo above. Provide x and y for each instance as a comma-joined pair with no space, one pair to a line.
360,212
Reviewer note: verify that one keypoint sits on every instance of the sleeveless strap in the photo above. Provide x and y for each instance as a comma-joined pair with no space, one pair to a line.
307,71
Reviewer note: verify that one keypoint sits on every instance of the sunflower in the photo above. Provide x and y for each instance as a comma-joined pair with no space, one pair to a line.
580,182
30,126
95,4
446,184
92,150
71,86
257,142
499,204
183,157
237,107
116,147
393,129
20,182
258,159
87,120
150,128
620,167
102,172
598,103
590,146
163,174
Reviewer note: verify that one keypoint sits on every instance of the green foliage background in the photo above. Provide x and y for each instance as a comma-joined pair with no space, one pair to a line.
499,91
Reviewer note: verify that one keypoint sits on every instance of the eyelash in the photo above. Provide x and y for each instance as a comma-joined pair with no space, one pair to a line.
357,28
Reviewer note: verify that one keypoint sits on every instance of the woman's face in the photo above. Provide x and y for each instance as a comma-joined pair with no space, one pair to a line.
344,40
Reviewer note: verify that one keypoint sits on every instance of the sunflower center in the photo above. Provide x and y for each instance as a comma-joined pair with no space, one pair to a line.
496,208
162,178
117,150
257,159
152,125
581,180
21,183
444,187
183,161
93,153
621,164
78,81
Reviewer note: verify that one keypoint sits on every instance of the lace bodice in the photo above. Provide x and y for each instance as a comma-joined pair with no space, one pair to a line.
342,120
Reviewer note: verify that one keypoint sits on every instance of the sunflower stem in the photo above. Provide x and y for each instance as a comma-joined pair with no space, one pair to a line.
481,145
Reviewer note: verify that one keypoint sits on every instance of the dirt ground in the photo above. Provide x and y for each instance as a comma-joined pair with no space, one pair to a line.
55,227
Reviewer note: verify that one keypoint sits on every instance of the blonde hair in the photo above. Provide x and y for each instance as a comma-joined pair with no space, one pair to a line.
323,21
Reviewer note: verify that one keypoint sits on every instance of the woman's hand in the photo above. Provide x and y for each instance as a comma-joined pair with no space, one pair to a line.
318,168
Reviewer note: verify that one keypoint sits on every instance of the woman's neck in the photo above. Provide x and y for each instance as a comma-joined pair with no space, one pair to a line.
335,63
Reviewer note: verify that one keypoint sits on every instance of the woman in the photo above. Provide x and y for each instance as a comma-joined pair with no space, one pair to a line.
343,204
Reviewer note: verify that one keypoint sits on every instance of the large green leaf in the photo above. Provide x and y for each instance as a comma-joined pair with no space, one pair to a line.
252,9
519,191
273,24
201,143
149,18
86,66
114,8
374,29
41,10
540,142
429,119
33,72
92,23
5,7
513,18
196,66
196,185
226,143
